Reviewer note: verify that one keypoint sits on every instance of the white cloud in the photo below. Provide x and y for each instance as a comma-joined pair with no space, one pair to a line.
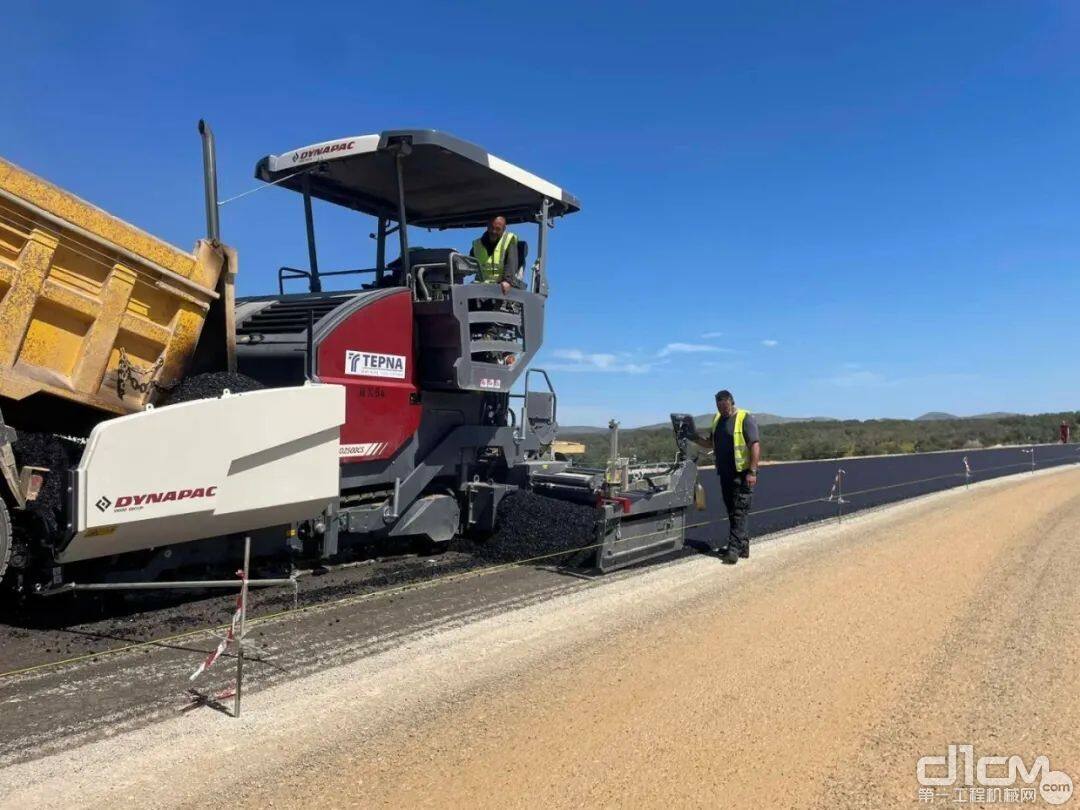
711,335
768,344
689,348
578,360
627,362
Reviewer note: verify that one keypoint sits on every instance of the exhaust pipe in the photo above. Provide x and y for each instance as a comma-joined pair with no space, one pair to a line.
209,159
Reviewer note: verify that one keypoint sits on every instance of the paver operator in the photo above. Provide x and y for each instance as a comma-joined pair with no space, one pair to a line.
736,444
497,254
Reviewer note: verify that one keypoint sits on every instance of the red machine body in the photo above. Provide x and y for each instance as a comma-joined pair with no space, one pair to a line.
372,353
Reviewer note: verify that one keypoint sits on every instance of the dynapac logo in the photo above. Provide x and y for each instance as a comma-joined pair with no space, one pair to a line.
373,364
319,151
128,503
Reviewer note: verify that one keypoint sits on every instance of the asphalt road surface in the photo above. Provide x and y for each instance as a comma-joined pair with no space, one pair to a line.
814,675
793,493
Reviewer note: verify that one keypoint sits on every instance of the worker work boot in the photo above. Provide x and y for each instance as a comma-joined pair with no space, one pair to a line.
744,552
730,555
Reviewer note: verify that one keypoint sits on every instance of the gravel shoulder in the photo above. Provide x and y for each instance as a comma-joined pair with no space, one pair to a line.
814,675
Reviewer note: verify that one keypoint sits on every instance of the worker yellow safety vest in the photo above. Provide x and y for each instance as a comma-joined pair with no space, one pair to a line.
491,265
742,452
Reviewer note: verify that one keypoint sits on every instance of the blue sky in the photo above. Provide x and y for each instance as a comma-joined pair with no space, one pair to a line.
848,209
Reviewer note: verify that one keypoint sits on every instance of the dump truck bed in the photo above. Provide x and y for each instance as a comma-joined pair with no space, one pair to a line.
93,309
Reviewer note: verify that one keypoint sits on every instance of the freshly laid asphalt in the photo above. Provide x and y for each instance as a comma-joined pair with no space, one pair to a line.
793,493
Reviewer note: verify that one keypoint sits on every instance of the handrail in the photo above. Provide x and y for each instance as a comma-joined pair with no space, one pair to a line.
295,272
525,399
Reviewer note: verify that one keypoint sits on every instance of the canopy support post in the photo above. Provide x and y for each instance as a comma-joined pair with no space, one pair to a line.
401,150
380,252
540,284
314,282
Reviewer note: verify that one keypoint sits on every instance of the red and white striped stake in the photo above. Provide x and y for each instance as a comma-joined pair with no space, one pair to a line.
235,631
837,488
230,635
1031,452
243,619
837,493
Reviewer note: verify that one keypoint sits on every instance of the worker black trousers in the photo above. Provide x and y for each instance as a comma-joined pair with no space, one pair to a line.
737,498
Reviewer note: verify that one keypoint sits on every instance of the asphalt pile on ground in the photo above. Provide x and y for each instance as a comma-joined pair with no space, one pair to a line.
57,456
208,386
532,525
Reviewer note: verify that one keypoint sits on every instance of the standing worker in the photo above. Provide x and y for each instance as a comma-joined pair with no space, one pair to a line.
497,254
736,445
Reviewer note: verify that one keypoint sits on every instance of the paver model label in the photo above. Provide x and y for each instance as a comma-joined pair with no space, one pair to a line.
372,364
363,449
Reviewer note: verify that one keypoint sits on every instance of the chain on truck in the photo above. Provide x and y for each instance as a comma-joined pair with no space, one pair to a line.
399,409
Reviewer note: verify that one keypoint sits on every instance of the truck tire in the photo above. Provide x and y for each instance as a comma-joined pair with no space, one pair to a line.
5,539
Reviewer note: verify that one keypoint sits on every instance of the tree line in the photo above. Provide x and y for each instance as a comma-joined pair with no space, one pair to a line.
793,441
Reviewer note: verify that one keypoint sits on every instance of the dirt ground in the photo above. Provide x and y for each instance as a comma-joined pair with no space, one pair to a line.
814,675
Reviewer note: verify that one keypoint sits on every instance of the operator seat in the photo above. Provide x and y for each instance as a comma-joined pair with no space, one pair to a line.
523,254
418,257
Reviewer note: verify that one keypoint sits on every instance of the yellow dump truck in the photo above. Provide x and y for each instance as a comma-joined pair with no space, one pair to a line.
94,310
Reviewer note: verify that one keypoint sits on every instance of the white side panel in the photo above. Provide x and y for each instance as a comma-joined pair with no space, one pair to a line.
207,468
549,190
327,150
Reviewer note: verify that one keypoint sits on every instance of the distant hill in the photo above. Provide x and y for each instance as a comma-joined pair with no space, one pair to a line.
773,419
705,419
571,430
939,416
702,421
785,438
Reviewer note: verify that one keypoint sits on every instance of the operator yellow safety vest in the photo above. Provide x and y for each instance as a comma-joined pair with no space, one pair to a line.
491,265
742,452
